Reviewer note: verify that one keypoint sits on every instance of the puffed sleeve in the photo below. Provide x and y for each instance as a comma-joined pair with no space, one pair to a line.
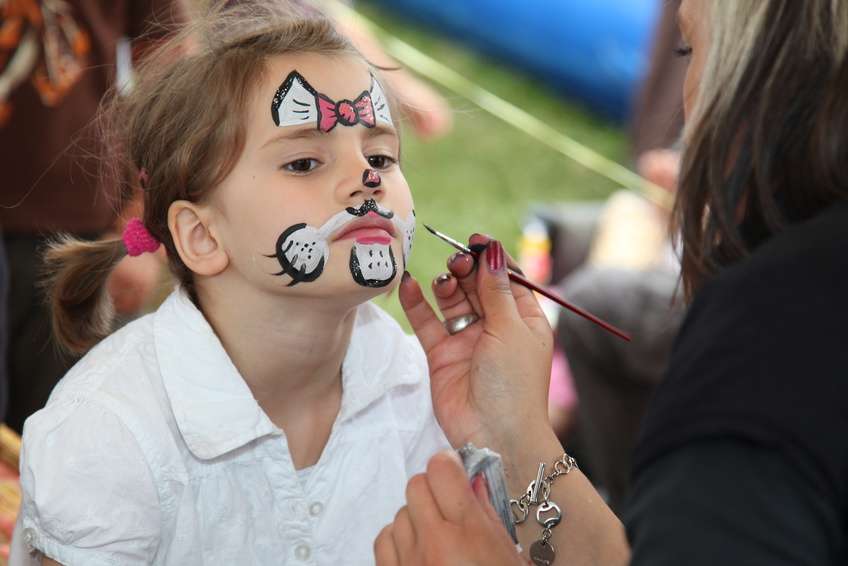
89,497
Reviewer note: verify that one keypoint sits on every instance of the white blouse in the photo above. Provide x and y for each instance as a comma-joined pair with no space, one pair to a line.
152,450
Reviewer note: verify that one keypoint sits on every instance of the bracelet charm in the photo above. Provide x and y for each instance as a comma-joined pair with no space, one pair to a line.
548,513
542,553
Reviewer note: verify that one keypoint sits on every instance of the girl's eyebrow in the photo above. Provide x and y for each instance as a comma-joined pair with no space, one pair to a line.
309,132
381,130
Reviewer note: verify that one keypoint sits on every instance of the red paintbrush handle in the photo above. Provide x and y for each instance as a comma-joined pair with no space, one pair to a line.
565,304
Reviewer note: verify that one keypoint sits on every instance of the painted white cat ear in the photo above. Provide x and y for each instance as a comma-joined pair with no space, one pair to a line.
294,103
380,102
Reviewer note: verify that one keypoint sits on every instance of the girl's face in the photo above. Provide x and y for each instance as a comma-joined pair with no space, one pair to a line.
317,204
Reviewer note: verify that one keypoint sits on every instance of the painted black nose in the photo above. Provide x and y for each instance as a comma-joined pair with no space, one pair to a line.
371,179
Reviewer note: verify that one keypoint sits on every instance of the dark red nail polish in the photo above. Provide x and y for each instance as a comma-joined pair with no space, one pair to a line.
495,256
443,278
456,257
405,276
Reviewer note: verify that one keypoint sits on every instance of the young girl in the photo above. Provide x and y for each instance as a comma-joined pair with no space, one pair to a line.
266,413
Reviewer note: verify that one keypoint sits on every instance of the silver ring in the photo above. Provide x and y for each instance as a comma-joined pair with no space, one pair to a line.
458,324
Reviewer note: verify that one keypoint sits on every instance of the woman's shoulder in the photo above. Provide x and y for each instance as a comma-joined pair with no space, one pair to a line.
791,288
761,354
805,256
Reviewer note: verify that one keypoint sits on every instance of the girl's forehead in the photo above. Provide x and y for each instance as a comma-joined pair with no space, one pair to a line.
338,76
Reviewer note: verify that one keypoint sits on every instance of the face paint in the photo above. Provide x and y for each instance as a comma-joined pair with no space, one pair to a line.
372,265
407,229
304,250
301,252
371,179
370,205
297,103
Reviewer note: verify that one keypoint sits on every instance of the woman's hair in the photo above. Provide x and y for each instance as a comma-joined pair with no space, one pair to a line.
182,124
767,144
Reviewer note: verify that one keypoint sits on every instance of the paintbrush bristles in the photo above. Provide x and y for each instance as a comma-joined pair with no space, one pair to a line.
449,240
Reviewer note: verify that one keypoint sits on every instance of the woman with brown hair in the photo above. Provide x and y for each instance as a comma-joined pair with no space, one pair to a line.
742,458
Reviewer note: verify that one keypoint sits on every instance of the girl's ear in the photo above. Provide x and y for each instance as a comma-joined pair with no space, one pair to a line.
197,244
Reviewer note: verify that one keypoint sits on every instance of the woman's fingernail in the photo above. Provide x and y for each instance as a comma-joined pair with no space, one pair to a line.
405,276
443,278
477,248
495,256
480,487
457,256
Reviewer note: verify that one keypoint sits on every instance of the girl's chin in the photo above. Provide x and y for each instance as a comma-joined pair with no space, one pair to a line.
344,292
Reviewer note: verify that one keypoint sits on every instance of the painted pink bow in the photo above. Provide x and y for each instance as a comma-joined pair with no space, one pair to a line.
345,112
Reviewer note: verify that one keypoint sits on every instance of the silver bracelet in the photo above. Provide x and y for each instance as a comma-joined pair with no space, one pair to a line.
548,513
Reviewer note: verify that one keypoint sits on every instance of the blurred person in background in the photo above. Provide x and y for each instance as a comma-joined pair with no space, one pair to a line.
57,60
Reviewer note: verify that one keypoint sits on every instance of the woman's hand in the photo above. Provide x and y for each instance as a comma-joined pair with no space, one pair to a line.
446,523
490,380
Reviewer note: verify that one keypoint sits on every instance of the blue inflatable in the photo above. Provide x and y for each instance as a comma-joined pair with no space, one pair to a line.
593,50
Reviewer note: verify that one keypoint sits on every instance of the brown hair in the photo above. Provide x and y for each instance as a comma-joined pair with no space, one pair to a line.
767,144
181,124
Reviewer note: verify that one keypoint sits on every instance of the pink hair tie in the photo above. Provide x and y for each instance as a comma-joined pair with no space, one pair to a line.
138,239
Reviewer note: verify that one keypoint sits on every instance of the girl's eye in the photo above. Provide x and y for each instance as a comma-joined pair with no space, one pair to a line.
381,161
301,165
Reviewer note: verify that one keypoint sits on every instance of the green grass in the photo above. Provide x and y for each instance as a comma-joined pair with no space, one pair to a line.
484,175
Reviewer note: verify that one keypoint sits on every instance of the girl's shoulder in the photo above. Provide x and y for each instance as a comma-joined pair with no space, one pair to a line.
117,383
83,453
122,355
105,442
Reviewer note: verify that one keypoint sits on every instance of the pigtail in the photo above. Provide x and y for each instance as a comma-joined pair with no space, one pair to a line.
75,282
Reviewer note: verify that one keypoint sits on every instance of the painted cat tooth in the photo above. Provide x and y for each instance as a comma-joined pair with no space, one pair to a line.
368,268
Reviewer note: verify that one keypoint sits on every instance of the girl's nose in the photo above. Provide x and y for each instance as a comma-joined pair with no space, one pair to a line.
370,187
371,179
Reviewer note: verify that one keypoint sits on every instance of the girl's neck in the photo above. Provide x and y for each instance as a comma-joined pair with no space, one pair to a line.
288,350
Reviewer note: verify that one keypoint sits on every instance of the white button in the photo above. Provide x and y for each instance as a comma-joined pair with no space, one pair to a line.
302,552
316,509
29,539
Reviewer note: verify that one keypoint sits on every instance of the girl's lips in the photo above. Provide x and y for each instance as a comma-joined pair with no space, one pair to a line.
369,229
368,236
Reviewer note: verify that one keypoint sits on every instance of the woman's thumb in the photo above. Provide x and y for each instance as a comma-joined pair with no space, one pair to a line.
493,286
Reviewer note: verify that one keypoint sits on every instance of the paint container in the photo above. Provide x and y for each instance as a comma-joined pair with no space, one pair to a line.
486,462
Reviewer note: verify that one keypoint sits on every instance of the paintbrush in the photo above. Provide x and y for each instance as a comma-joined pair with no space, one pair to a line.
521,280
